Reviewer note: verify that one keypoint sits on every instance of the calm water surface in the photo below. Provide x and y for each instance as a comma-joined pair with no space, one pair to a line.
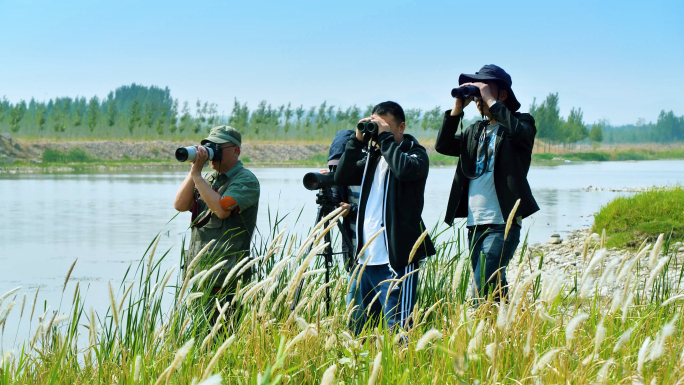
108,220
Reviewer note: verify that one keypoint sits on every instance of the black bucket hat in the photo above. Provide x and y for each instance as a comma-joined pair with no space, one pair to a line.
493,72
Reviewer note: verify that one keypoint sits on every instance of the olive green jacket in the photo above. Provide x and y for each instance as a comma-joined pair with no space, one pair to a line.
233,235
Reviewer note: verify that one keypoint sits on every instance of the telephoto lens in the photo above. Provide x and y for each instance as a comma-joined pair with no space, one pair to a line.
189,154
465,92
315,180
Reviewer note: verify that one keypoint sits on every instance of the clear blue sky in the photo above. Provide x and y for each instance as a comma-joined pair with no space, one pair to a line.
619,60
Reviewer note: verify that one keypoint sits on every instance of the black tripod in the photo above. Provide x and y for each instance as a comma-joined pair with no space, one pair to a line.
326,205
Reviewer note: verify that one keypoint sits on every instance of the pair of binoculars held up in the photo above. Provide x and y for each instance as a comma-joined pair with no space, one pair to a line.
368,127
465,92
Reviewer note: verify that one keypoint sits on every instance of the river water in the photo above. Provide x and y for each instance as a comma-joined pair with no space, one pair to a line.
108,220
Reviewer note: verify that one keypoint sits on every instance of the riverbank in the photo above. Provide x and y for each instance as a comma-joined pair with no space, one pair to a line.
41,156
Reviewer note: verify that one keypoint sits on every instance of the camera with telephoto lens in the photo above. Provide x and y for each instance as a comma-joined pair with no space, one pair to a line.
465,92
316,180
185,154
367,127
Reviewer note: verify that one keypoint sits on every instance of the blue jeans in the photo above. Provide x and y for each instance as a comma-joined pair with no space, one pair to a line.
356,320
489,253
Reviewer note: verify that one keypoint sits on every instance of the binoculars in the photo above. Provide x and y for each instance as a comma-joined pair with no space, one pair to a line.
465,92
184,154
367,127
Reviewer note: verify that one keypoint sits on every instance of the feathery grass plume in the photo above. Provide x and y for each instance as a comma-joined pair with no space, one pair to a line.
511,217
272,248
16,289
368,243
572,325
330,341
121,303
545,360
643,351
5,312
234,270
66,279
643,244
115,311
193,296
293,238
528,343
603,372
490,351
313,272
372,302
659,342
654,273
267,298
430,310
278,267
475,342
416,245
151,258
23,302
320,291
185,324
214,360
92,332
137,368
165,280
217,325
216,379
656,250
626,305
302,268
377,365
301,322
255,289
624,337
177,361
208,273
332,224
189,271
672,299
427,338
300,337
33,306
603,238
458,274
595,260
352,277
517,297
587,287
6,358
241,292
608,272
196,277
501,317
329,375
73,300
585,250
247,266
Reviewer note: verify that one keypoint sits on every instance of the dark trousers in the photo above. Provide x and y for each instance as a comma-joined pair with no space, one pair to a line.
398,305
489,253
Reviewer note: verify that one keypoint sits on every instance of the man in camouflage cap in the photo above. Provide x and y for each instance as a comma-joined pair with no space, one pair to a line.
224,206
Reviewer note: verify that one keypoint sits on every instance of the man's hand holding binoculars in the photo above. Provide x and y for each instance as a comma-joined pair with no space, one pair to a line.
382,126
485,95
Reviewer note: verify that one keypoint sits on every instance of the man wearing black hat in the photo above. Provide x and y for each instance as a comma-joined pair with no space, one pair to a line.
491,175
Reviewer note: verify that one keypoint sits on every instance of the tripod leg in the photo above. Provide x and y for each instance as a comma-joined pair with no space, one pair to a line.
349,259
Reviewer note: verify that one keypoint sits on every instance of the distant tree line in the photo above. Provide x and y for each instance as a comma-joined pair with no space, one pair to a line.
143,112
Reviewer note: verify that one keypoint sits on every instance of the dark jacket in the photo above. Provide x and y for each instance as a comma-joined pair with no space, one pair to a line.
403,200
512,157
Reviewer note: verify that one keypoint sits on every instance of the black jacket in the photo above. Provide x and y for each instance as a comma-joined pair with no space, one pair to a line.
408,171
512,157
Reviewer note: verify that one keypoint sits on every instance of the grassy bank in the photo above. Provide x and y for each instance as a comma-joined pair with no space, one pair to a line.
601,156
628,220
155,331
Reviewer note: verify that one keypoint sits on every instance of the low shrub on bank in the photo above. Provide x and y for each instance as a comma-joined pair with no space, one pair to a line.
628,220
73,156
588,156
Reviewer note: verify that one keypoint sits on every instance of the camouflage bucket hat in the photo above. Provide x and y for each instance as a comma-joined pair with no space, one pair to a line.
223,134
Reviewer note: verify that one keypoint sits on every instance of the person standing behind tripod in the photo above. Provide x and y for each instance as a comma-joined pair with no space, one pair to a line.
392,176
491,175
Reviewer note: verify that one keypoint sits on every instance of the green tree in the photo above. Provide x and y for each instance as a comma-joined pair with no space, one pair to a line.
432,119
186,119
321,118
150,114
369,110
173,117
4,108
547,118
288,115
159,125
134,116
79,111
111,110
596,133
41,116
574,127
16,115
413,117
299,112
93,112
